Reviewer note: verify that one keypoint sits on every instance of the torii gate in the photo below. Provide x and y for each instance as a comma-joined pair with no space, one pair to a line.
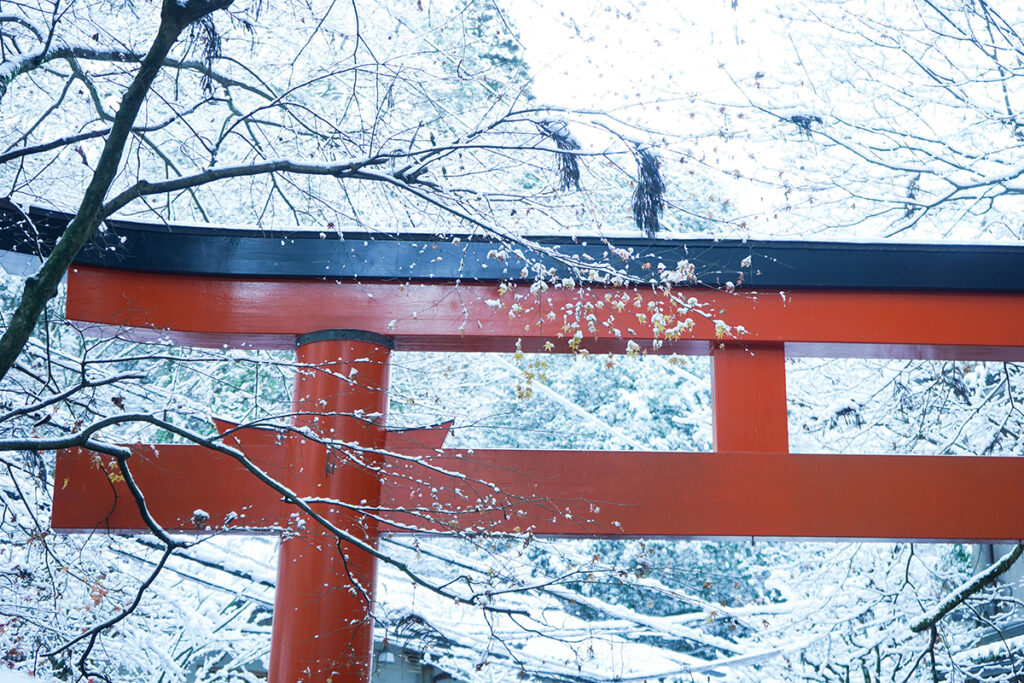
344,302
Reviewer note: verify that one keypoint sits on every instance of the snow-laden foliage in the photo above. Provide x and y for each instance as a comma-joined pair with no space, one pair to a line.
912,113
378,117
382,116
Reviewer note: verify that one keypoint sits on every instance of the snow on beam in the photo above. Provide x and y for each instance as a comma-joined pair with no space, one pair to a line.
366,256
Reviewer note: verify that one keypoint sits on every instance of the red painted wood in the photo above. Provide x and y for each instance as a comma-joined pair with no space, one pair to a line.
401,440
176,479
269,313
179,479
615,493
574,493
748,398
751,487
245,438
323,605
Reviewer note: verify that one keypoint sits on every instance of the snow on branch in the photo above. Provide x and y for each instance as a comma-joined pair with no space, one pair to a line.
966,590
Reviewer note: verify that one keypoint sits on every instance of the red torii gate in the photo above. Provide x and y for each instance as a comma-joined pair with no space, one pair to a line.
890,302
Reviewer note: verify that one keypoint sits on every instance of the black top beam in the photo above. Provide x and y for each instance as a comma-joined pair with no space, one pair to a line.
194,250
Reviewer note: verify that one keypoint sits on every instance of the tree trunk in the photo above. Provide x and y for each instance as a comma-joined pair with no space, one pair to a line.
42,286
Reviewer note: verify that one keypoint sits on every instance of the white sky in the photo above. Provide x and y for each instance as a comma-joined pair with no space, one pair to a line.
584,55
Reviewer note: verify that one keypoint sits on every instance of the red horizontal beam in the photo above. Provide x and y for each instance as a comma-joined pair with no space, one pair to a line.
430,317
176,480
570,493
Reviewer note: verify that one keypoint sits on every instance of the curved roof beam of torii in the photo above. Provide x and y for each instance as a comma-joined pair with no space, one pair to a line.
261,289
333,255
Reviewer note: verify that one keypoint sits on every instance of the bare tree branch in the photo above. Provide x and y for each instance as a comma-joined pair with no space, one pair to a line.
976,583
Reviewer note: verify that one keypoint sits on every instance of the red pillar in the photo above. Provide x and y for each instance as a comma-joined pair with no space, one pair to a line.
323,629
748,398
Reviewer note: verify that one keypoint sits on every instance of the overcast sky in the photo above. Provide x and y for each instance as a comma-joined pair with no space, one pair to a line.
584,55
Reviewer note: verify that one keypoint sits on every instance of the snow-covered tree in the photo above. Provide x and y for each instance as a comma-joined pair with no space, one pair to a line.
424,116
905,121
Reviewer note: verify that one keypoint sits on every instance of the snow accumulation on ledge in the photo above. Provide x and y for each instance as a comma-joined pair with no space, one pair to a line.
782,264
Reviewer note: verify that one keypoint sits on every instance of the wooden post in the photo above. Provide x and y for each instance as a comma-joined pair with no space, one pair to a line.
748,398
323,627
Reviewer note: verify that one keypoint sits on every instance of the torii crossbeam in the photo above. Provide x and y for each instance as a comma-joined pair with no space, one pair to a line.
346,301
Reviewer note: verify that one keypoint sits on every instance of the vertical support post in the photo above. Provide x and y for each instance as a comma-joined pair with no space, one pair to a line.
323,628
748,398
